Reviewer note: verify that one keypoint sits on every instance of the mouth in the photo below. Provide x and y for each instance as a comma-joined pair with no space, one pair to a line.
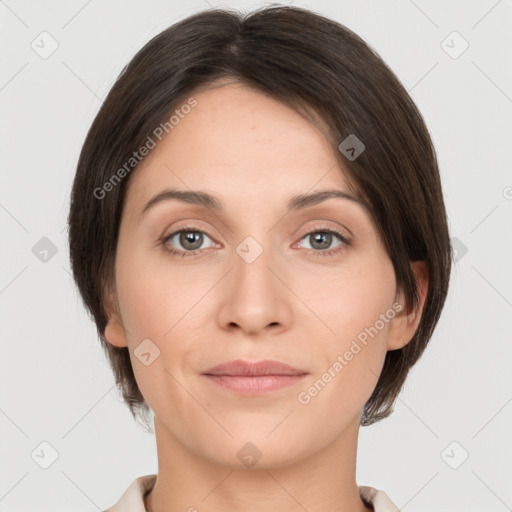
253,379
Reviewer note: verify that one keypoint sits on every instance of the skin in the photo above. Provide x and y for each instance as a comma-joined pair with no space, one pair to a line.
290,305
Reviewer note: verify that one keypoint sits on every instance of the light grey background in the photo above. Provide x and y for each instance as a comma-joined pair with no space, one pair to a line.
56,386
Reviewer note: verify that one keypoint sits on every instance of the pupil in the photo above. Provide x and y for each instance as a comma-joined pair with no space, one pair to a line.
188,238
326,240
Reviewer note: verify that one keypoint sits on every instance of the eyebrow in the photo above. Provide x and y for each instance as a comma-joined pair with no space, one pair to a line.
200,198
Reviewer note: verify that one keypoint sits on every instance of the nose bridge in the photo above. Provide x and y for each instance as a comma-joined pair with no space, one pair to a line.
253,279
255,298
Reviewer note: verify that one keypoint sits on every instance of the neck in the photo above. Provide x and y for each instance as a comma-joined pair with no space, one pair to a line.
323,480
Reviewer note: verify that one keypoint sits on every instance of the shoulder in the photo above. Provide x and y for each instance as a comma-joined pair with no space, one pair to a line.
132,499
378,499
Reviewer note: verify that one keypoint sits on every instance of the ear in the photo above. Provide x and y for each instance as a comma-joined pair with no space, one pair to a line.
114,332
405,322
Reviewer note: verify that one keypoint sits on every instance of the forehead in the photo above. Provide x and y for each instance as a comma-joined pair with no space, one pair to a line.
239,142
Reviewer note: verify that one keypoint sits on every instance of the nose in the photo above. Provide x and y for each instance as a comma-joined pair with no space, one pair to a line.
254,297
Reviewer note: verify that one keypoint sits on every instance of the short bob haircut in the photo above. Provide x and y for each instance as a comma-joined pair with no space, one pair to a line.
325,72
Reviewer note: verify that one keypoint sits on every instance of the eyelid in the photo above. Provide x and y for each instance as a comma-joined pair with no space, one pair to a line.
345,233
189,225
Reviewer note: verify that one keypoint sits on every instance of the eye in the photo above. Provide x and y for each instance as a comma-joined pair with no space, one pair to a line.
190,238
322,238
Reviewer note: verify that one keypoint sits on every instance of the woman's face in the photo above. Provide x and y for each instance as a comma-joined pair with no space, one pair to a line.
253,280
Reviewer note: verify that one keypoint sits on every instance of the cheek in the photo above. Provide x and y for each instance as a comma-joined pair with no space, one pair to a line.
352,357
157,303
357,307
154,293
356,296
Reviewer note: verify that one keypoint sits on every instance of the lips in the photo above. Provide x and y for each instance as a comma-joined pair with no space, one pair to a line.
249,369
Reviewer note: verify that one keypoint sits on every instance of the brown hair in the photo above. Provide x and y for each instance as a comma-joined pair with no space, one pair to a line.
316,66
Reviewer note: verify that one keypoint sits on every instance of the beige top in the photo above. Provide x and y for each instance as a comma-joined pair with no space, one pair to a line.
132,499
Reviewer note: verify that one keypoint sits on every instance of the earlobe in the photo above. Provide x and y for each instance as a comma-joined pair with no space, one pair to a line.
114,331
405,323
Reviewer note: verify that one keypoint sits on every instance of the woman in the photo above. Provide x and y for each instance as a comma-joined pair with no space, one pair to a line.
257,226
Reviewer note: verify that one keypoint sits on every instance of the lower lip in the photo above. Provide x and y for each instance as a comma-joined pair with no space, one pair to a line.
255,385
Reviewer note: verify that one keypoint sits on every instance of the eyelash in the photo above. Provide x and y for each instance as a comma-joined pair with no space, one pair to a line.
320,229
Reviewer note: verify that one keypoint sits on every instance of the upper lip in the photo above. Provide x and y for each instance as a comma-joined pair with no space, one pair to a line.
247,368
